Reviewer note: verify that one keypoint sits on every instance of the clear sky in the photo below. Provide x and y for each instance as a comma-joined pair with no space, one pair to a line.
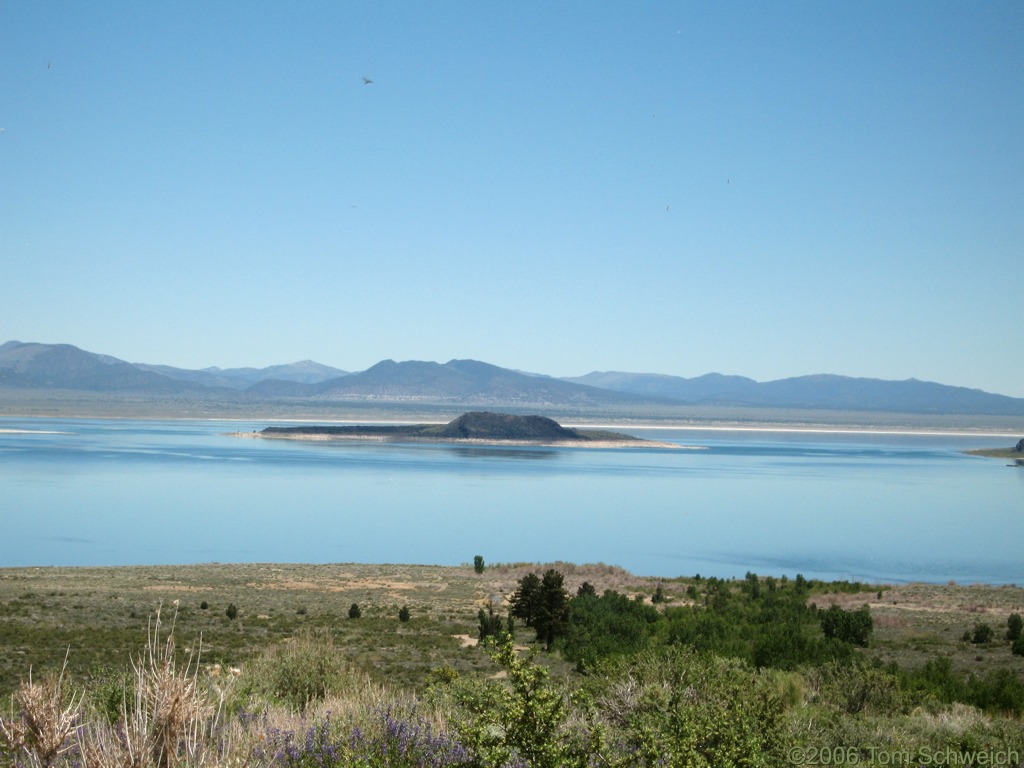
765,189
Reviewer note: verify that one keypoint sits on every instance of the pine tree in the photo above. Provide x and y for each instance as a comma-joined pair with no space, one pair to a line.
526,599
553,611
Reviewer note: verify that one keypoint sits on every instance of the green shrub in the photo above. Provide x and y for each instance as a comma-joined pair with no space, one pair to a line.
776,629
856,687
1018,646
110,692
687,709
854,627
997,691
354,611
478,563
983,634
231,612
301,671
490,624
403,613
444,675
528,720
604,626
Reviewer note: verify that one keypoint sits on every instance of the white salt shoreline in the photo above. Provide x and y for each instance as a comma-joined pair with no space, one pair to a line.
32,432
822,430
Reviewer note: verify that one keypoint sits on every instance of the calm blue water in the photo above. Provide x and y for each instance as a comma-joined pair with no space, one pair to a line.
866,507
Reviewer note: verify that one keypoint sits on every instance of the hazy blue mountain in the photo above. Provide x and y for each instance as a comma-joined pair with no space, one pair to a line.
474,383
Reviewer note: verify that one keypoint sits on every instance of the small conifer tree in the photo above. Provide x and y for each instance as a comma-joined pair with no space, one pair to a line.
1014,625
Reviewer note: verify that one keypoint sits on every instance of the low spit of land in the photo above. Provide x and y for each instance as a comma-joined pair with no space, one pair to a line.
1000,453
475,427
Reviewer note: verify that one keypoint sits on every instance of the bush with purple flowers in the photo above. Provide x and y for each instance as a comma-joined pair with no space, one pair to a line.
392,737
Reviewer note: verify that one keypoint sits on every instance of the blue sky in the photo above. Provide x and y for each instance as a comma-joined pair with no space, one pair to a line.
765,189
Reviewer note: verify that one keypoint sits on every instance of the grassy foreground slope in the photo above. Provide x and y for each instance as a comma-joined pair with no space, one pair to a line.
279,651
100,614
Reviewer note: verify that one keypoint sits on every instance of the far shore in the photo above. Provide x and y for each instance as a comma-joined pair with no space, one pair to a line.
711,425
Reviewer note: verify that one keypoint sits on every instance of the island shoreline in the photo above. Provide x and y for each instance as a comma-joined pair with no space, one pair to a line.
320,437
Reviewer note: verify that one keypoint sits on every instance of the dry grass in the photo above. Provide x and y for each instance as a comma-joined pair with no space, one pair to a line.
174,714
43,729
166,720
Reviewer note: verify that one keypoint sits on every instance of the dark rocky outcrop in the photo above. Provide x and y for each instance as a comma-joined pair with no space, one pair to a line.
1019,448
484,425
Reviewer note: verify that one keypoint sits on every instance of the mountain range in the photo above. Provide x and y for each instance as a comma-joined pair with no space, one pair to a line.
28,367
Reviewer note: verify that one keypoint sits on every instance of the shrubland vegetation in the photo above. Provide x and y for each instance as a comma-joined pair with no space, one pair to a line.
573,667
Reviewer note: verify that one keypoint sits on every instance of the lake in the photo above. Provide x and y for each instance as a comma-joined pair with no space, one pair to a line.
869,507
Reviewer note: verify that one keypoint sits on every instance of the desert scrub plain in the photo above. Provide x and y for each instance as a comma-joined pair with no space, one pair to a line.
261,665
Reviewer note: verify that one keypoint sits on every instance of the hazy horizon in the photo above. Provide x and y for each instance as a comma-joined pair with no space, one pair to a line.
769,191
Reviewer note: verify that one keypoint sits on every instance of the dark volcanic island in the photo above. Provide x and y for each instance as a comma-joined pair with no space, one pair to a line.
473,427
